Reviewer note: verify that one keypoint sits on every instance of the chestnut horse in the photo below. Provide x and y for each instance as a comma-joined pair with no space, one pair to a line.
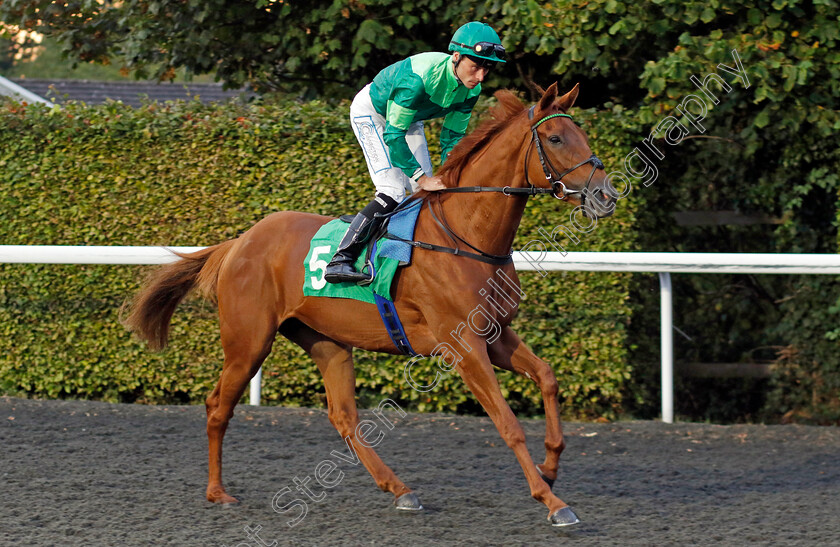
257,281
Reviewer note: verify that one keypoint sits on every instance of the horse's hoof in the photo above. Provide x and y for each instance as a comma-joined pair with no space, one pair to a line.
563,517
549,482
408,502
222,498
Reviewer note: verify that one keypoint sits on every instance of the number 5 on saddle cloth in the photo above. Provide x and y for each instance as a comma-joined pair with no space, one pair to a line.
381,259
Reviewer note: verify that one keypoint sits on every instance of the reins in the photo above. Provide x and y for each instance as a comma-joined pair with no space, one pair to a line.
557,187
479,255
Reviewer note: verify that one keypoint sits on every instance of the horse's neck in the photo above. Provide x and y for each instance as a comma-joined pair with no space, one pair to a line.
489,220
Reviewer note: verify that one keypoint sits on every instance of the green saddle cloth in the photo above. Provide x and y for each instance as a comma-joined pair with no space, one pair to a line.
321,250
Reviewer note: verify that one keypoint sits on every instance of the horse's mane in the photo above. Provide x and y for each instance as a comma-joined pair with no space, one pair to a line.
509,106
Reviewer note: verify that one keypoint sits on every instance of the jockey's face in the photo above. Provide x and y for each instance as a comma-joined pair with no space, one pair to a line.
469,72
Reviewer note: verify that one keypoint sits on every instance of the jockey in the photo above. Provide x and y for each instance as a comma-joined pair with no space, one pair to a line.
387,117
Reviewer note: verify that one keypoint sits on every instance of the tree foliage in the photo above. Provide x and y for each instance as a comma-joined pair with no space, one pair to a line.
15,46
265,43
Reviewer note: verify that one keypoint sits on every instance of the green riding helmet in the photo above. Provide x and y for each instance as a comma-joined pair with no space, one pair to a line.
477,39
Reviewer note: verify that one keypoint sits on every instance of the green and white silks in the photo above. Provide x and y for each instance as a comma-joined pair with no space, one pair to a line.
387,118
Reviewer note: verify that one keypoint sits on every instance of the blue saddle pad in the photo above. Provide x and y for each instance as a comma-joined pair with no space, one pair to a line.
401,225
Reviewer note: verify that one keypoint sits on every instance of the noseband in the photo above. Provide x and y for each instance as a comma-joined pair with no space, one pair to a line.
558,188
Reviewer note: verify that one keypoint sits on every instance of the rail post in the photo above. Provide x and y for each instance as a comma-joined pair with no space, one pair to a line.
256,384
666,329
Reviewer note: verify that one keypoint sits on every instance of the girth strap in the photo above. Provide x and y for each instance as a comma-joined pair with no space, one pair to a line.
393,325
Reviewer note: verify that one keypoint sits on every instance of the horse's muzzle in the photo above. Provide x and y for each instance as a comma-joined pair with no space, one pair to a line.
599,200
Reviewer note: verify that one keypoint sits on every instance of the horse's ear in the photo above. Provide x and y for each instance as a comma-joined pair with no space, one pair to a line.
565,102
548,97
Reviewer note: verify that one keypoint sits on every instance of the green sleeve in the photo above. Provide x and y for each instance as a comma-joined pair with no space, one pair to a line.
401,110
455,126
448,140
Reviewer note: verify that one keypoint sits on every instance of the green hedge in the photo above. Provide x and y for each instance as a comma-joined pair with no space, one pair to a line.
188,174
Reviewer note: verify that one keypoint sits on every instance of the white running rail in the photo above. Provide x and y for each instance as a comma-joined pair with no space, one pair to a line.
662,263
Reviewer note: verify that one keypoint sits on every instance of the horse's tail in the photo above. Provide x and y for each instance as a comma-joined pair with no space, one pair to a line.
152,308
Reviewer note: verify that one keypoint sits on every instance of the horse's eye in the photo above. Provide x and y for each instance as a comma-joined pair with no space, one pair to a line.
554,139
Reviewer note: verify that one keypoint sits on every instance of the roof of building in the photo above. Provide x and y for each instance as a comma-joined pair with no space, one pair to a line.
130,93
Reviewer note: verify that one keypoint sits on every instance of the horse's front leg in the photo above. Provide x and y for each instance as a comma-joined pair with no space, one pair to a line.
478,374
509,352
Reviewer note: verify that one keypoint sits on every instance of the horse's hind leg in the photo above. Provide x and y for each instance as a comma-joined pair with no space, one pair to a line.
247,338
509,352
335,362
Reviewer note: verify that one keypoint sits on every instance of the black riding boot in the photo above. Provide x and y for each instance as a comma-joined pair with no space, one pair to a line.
364,225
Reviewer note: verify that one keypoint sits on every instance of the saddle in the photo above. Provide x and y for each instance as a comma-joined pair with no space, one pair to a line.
382,257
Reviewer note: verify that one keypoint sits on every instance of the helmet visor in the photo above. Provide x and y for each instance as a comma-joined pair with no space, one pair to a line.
483,63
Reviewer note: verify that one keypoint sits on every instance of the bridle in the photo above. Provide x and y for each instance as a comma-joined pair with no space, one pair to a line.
557,185
558,189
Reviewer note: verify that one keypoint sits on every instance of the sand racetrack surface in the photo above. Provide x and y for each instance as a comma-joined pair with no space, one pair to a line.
87,473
